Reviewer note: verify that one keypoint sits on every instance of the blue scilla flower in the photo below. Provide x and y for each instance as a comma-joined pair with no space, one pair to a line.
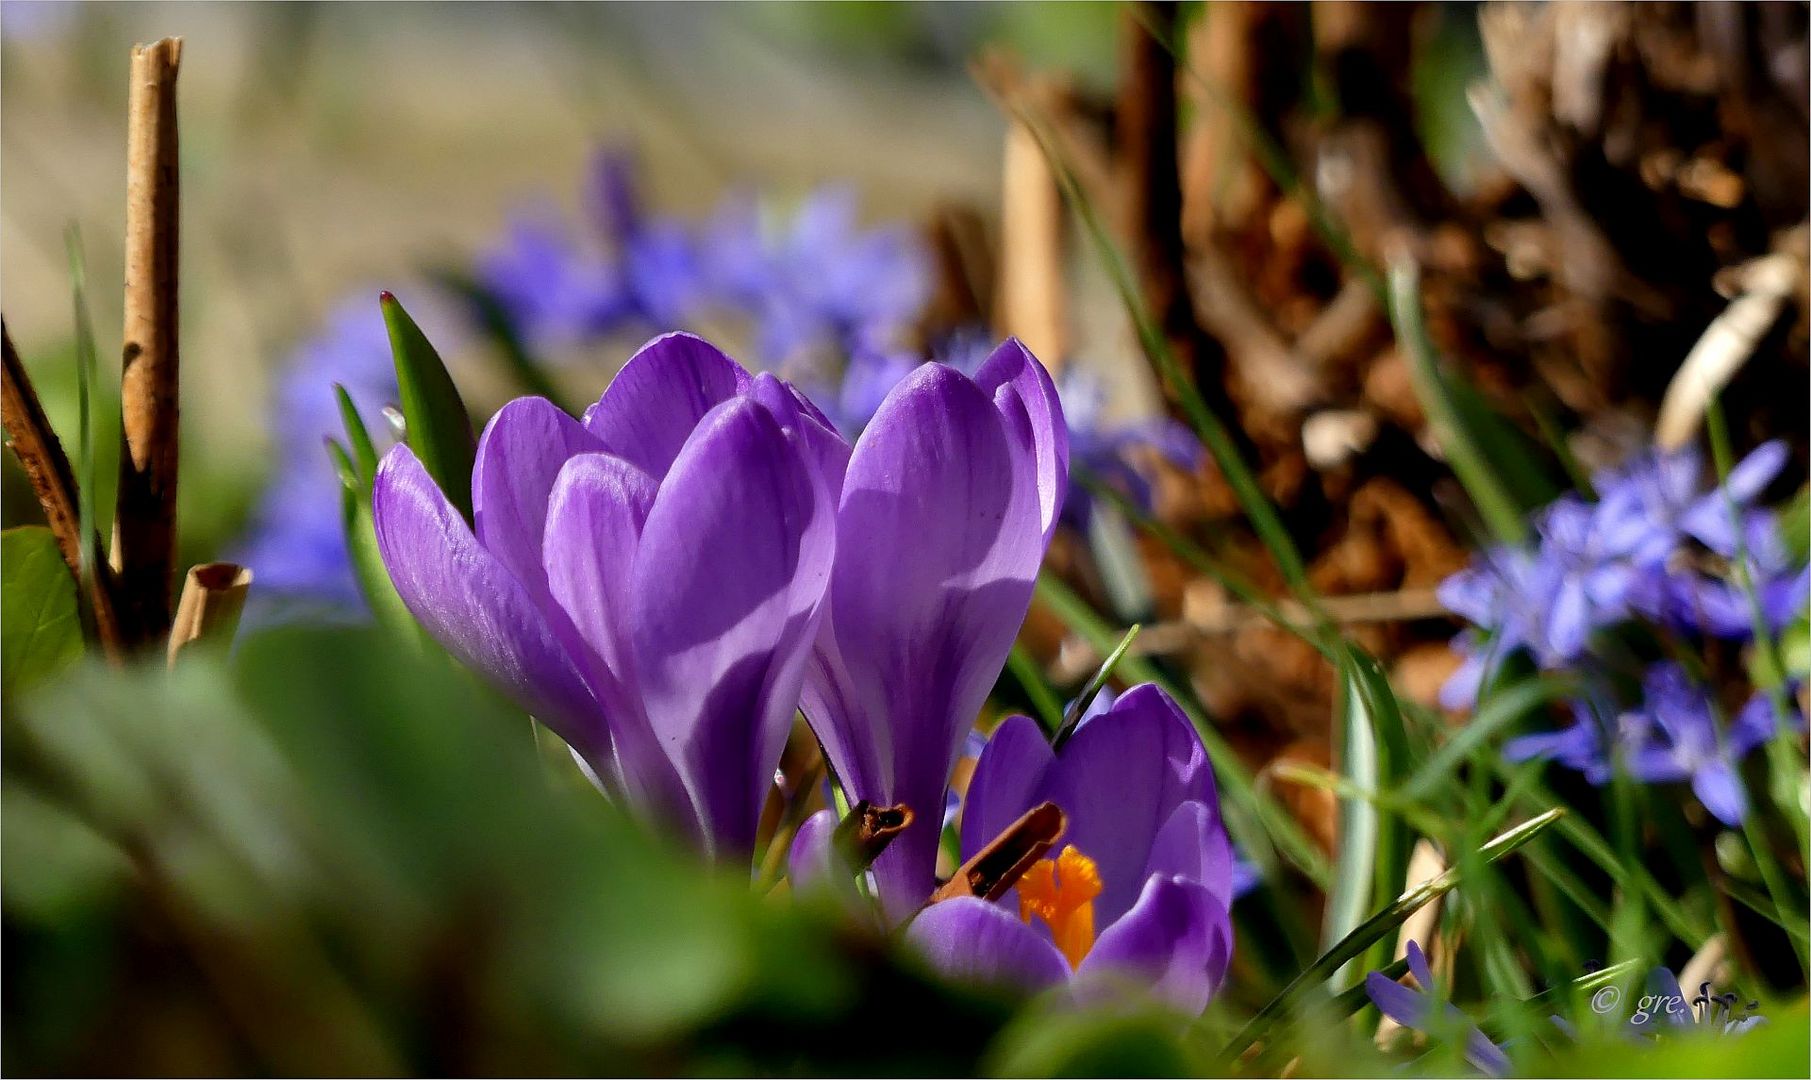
1423,1009
1658,544
1658,500
1672,736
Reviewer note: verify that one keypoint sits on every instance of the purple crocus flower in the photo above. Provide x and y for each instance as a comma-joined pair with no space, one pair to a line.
1676,737
647,582
1416,1010
946,508
1139,891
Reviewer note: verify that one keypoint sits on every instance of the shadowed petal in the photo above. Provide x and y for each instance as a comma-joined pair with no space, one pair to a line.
940,545
727,579
659,396
1023,392
1396,1001
1177,939
594,522
1119,780
810,861
825,446
1193,845
473,605
1008,780
520,455
1720,790
981,942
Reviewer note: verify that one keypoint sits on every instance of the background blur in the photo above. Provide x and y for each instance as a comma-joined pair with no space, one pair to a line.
331,148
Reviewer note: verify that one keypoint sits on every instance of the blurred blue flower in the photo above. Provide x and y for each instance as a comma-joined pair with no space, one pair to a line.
1657,544
557,291
1423,1009
1671,736
1579,747
1676,737
1652,504
296,546
815,287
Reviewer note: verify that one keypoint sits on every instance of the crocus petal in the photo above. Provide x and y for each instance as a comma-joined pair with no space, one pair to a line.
1022,390
971,939
810,861
724,599
1720,790
520,455
473,605
1119,779
1009,775
942,541
651,407
826,448
1193,845
594,522
1177,939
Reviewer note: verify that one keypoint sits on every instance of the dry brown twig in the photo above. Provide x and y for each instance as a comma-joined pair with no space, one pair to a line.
41,455
213,595
144,537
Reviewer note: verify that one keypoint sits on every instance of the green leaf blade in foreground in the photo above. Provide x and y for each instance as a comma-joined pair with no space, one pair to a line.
42,631
439,428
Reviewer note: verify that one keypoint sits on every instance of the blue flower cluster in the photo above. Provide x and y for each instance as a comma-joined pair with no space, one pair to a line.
824,302
1659,548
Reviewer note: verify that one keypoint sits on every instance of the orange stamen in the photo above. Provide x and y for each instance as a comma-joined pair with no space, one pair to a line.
1061,892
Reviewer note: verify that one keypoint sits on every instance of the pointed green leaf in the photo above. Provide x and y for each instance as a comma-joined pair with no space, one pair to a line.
439,428
364,454
40,630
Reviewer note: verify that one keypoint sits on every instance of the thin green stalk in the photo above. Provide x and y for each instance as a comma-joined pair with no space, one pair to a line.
1493,500
1044,702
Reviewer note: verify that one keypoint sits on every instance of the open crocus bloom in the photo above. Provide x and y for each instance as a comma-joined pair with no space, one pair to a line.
946,508
647,582
1142,882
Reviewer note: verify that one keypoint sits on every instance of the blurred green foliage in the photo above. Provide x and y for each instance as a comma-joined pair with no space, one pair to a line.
43,631
337,855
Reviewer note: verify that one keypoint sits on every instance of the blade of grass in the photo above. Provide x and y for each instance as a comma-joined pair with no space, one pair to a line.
1590,843
1500,710
87,374
1044,702
1488,492
1375,927
1209,428
1235,781
1073,714
1783,759
1193,554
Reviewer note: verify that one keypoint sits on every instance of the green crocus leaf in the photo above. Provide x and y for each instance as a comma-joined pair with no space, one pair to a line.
439,428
